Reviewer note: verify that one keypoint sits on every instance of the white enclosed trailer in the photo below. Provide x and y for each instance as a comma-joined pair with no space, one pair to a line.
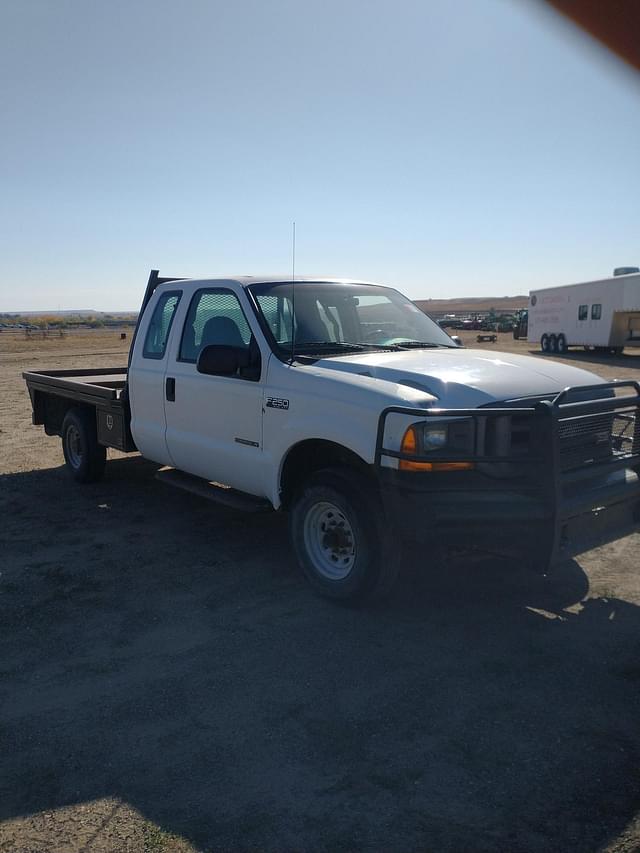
602,315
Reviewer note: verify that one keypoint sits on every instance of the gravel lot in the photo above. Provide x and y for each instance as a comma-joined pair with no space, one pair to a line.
169,683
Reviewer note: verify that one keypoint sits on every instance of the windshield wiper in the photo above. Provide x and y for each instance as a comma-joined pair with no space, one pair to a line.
341,346
321,345
420,345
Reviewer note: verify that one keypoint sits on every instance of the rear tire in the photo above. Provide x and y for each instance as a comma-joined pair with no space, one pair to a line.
339,534
553,344
544,343
85,458
561,347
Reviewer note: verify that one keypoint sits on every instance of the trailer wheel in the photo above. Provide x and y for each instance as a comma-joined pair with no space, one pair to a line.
340,537
561,346
553,343
544,343
85,458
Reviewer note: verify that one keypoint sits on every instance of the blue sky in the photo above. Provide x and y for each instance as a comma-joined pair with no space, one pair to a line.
482,147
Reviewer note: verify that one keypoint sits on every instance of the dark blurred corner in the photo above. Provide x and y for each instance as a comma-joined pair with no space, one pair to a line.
615,23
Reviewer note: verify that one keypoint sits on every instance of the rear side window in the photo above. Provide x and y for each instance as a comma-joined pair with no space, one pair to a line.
214,317
596,312
583,312
155,343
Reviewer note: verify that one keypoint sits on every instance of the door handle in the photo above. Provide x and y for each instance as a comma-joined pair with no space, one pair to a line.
170,388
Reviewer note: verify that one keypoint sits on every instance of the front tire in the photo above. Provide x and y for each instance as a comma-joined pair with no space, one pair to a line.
85,458
544,343
561,346
338,533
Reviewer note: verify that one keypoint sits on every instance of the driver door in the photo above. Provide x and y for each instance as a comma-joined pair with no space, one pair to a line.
214,423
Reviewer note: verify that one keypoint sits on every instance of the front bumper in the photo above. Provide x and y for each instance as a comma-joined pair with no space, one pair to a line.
511,522
564,498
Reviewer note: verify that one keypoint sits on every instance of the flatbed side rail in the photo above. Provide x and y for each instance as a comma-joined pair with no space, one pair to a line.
94,371
68,383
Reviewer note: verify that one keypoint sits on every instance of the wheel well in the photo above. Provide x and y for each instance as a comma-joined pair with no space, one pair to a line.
314,455
51,410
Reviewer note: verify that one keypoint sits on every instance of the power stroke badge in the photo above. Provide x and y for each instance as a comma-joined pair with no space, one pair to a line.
277,403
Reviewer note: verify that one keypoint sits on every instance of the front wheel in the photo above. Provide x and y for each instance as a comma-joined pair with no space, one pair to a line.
562,345
544,343
85,458
339,535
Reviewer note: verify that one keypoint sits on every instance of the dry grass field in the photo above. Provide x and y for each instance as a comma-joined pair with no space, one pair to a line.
168,682
462,307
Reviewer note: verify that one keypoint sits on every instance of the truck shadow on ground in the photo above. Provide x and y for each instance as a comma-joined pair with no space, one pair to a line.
165,652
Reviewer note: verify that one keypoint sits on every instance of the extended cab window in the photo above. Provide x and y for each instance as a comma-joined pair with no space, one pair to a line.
214,317
596,312
583,312
158,332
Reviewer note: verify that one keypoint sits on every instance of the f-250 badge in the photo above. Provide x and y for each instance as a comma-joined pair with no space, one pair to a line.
277,403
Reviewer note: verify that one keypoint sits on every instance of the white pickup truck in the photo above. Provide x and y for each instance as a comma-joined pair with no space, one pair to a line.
341,403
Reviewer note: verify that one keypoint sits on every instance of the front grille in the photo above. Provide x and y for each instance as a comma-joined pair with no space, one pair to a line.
589,439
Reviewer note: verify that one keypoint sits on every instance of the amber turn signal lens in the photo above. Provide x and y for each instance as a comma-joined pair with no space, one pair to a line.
410,442
408,465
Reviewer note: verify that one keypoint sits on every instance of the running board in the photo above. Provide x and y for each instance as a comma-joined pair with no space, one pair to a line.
213,491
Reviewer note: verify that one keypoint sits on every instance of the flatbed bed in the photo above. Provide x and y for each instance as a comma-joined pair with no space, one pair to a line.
105,389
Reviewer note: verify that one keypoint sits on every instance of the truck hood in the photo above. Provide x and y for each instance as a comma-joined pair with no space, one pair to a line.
465,377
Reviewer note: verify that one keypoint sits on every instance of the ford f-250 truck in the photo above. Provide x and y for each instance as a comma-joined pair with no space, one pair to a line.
343,404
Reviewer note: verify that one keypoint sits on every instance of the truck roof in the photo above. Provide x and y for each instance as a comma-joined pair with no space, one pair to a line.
248,280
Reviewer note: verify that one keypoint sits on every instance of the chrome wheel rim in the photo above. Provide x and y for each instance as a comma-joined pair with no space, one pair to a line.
329,541
74,448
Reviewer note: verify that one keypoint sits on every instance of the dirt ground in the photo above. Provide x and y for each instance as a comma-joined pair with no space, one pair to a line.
169,683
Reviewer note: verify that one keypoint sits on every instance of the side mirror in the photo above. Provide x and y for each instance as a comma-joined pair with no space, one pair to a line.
457,340
219,360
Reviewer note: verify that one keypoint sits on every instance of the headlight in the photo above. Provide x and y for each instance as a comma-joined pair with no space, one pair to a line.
455,436
434,437
441,439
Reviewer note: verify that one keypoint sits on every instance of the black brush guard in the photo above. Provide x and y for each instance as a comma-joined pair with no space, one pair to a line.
574,486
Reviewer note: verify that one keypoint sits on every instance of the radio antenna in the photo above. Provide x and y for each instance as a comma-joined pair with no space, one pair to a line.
293,293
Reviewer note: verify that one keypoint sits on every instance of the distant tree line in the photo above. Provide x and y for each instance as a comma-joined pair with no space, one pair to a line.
65,321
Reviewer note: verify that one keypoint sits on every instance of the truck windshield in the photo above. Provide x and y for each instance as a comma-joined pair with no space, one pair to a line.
344,318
